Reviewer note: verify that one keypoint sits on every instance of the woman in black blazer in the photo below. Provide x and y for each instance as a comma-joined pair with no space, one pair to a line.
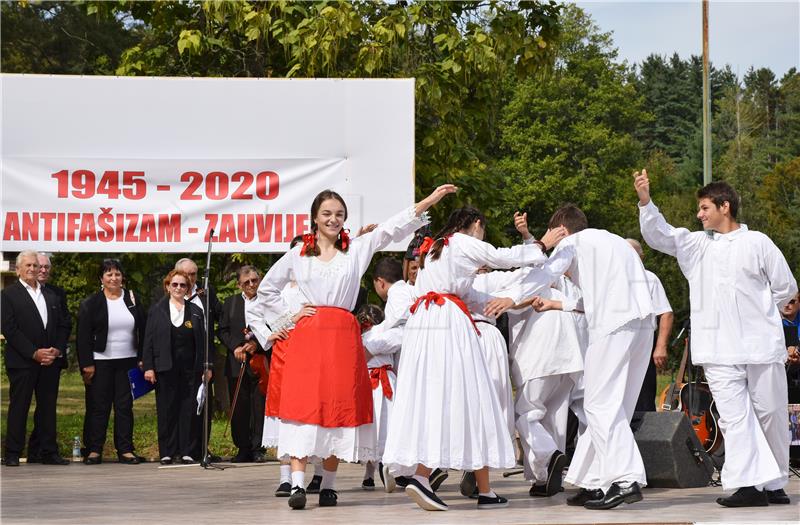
173,360
109,343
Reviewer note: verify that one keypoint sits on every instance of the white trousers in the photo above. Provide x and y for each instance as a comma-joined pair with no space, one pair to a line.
754,420
614,369
542,407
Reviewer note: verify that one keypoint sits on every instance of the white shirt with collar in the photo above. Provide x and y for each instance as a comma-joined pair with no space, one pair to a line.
196,298
738,282
38,299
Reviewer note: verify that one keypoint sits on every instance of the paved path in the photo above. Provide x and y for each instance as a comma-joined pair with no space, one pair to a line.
146,494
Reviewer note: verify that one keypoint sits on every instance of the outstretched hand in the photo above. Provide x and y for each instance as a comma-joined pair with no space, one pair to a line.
495,307
521,225
642,185
437,195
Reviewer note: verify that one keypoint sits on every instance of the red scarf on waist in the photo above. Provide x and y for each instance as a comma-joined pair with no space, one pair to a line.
438,299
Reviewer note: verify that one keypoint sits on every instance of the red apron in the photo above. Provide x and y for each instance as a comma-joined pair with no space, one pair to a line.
276,364
325,379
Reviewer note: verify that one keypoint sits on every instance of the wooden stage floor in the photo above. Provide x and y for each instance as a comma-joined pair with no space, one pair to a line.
146,494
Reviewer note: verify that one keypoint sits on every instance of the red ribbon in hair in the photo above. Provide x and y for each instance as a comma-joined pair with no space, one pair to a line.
380,376
427,244
309,241
344,235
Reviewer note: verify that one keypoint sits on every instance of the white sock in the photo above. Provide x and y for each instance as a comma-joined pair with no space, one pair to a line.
328,479
286,474
298,479
489,494
369,470
423,480
318,469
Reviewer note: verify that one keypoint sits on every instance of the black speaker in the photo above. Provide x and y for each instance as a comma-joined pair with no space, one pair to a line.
672,454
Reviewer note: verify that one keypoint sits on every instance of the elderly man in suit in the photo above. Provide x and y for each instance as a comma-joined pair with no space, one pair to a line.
36,332
247,421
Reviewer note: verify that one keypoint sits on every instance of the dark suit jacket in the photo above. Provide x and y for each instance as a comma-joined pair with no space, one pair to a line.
93,326
23,329
62,300
215,309
231,324
157,350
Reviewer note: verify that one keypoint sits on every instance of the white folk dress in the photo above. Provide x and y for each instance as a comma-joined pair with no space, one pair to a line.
336,284
446,413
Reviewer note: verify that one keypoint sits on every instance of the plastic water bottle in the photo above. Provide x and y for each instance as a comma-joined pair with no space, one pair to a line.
76,449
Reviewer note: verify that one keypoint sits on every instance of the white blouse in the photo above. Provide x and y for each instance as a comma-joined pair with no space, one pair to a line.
332,283
738,282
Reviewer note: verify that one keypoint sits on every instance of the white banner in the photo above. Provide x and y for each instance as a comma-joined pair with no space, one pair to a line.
100,164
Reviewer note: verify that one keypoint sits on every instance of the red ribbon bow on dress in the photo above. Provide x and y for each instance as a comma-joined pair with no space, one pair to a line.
380,376
438,299
309,240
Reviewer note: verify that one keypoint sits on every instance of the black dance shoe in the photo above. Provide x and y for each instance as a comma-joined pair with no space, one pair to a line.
54,459
778,497
368,484
615,496
558,461
129,460
92,460
487,503
166,460
297,500
284,490
329,497
436,478
583,496
745,497
423,497
313,487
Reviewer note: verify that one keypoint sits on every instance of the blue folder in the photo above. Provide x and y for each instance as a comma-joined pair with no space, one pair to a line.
139,385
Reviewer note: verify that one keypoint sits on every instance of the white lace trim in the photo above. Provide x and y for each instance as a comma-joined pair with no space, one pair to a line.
284,321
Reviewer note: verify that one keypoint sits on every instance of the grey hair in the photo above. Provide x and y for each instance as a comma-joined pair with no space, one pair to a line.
244,270
636,246
27,253
180,262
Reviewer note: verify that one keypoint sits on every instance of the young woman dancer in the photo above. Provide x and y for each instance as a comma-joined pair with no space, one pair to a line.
446,412
326,394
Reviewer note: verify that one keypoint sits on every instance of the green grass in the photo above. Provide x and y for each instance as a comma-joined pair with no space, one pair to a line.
145,430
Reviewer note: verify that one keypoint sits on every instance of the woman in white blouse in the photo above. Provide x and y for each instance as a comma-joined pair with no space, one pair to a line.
326,397
109,343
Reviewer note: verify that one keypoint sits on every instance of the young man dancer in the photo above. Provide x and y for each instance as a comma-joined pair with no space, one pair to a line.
738,281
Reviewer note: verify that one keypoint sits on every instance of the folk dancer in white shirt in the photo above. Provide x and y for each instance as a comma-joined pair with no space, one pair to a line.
446,413
619,312
326,399
738,281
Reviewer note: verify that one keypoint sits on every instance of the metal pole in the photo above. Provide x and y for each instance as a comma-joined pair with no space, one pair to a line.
706,102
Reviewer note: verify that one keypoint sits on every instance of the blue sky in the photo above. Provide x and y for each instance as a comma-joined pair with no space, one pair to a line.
741,33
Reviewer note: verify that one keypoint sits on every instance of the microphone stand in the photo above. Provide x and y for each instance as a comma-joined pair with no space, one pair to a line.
205,463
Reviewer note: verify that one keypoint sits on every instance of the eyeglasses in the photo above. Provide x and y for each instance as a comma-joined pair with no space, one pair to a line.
179,285
249,281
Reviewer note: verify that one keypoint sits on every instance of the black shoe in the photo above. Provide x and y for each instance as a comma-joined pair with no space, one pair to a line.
11,460
368,484
555,468
129,460
313,487
778,497
259,457
92,460
166,460
615,496
401,481
746,497
297,500
213,458
188,460
436,478
583,496
33,458
538,491
468,485
284,490
497,502
54,459
423,497
328,497
242,457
